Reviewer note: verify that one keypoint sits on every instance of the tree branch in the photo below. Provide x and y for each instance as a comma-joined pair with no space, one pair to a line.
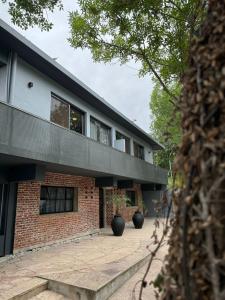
154,252
141,53
160,80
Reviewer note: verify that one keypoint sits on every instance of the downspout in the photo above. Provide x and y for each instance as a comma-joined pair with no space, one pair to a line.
11,76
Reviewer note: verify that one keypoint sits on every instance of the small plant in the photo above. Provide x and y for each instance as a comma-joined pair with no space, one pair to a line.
119,201
142,207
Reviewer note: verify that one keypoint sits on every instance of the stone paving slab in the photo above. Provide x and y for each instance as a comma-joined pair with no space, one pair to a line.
18,287
95,276
88,262
49,295
129,292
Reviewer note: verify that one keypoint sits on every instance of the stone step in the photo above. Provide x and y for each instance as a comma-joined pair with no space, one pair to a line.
99,284
25,288
49,295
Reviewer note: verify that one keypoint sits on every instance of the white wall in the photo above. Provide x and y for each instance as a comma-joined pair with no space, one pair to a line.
37,100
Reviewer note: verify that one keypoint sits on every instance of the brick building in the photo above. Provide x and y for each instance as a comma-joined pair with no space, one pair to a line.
63,152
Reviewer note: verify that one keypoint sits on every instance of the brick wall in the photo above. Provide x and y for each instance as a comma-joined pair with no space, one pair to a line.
32,228
126,211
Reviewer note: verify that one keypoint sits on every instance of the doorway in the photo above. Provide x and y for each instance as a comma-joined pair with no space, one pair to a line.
101,208
7,217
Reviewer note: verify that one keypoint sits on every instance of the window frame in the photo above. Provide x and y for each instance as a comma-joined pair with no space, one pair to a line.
139,145
63,101
83,113
127,139
135,195
75,204
108,127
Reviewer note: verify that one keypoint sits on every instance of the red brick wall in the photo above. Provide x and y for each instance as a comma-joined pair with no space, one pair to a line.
126,211
32,228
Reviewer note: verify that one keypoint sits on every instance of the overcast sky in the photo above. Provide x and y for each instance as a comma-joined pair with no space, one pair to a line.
119,85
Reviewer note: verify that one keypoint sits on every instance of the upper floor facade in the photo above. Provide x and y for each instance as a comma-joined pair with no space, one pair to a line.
38,88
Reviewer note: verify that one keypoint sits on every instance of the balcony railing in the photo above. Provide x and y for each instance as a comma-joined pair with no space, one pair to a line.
32,139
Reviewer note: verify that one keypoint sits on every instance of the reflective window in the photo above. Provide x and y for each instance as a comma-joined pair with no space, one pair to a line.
76,120
131,195
58,199
66,115
100,132
121,137
139,151
59,112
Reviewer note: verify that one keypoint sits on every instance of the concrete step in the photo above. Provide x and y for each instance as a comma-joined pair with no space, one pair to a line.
24,288
49,295
99,284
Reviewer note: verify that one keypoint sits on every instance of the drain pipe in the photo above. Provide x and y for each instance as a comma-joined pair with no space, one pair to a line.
11,76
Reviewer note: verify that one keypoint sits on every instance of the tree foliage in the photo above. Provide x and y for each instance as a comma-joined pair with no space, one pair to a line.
165,125
27,13
154,33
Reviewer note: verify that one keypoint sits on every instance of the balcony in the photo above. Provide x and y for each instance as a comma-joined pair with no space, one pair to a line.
25,138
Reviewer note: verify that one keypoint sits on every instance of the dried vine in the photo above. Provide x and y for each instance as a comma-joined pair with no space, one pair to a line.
195,265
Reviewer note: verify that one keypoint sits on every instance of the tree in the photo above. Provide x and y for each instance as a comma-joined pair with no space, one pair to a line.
165,126
28,13
195,264
154,33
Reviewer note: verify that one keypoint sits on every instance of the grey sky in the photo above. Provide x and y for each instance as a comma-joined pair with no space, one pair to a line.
119,85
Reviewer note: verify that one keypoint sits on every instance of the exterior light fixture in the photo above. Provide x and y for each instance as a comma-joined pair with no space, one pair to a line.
30,84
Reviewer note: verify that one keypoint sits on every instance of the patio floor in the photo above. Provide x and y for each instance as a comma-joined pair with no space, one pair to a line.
88,263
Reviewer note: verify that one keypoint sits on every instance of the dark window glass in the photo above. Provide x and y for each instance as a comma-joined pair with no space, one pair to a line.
139,151
100,132
131,195
120,136
57,199
66,115
76,120
59,112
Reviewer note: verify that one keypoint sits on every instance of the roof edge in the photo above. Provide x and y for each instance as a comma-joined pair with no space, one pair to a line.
155,145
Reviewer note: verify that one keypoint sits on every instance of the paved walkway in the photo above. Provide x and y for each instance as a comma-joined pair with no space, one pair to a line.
86,263
130,290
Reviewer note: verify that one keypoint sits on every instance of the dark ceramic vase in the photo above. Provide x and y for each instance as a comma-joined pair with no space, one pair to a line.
138,220
118,225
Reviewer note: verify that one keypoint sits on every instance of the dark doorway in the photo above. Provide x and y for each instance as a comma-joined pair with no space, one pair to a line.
101,209
7,217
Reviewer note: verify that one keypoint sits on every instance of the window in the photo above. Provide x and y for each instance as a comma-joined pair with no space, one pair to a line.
120,137
139,151
59,112
76,120
100,132
66,115
131,195
58,199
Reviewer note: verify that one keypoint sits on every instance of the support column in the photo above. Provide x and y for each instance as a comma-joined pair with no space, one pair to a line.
132,146
12,77
87,125
113,137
